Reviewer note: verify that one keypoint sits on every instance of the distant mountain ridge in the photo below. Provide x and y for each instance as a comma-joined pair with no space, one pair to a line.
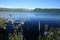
47,10
14,10
28,10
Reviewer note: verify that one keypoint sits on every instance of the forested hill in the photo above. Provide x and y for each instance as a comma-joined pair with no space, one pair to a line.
28,10
46,10
13,10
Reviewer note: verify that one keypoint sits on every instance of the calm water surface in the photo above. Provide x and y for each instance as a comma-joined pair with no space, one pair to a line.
31,27
43,17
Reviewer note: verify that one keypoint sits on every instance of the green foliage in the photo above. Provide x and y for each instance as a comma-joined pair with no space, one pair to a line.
15,37
2,23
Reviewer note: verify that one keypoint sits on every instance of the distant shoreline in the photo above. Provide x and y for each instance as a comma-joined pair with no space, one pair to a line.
28,10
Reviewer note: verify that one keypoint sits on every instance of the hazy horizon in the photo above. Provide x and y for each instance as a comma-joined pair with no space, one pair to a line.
30,4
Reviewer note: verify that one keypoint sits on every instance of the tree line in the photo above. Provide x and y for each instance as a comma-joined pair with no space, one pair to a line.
28,10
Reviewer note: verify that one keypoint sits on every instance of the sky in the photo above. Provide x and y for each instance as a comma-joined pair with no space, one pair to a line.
30,4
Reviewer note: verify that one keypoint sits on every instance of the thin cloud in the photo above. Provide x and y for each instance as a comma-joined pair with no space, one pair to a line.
3,6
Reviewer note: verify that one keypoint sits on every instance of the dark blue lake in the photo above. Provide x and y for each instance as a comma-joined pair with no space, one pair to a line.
32,19
45,17
50,18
